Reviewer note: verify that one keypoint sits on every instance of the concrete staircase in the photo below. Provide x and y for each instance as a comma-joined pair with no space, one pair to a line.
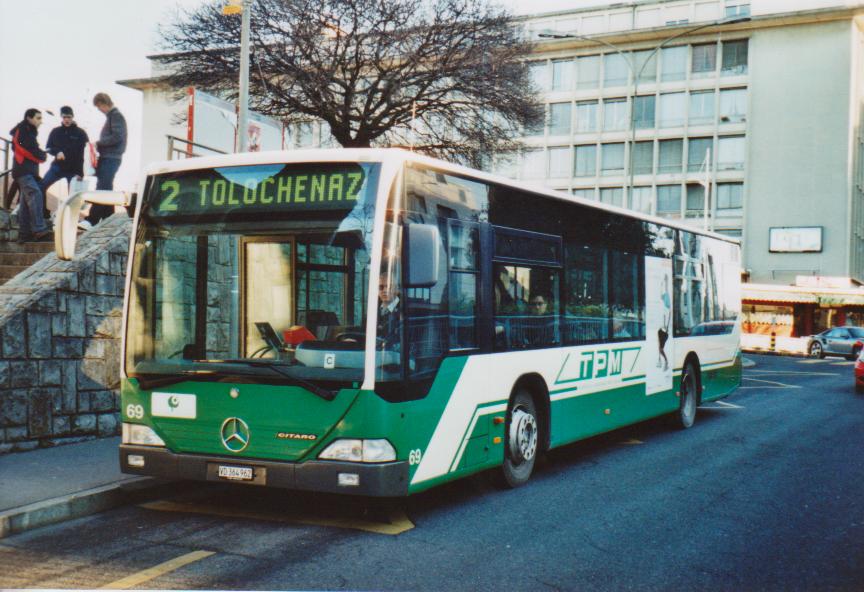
16,257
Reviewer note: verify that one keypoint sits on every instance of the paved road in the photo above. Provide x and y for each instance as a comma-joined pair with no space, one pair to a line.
766,492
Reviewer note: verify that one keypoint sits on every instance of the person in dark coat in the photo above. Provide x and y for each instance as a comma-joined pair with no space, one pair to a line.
111,146
66,143
25,170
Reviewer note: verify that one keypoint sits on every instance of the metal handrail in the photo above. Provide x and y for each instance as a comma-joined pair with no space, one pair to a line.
5,169
186,148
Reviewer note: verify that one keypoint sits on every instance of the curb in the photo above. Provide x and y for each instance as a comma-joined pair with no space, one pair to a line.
83,503
768,352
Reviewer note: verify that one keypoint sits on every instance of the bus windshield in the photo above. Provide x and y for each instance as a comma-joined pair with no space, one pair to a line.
260,270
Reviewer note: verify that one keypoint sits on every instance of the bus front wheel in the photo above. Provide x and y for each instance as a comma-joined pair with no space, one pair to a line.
523,438
688,397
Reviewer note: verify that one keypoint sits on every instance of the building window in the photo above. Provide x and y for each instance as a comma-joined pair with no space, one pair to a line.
697,149
644,114
586,160
614,196
695,199
730,153
506,165
730,197
585,193
588,72
562,74
704,60
733,105
671,152
559,163
647,70
735,58
534,165
672,109
612,159
614,115
305,137
673,63
737,8
615,70
643,158
702,107
559,119
640,199
668,199
586,116
539,75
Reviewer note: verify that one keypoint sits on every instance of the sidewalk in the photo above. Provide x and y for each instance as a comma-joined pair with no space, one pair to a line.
49,485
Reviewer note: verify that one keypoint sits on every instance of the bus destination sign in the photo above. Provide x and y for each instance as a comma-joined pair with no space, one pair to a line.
262,188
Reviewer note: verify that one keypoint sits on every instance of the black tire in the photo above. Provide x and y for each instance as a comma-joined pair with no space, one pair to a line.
521,439
854,355
688,399
816,350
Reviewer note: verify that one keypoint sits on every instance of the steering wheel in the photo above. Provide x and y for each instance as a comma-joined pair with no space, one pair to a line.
350,337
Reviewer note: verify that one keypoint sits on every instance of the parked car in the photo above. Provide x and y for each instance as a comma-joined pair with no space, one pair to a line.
859,373
837,341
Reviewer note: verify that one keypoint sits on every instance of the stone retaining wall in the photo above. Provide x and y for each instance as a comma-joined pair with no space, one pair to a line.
60,327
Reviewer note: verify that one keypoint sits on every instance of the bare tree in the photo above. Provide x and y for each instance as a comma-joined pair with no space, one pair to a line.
448,76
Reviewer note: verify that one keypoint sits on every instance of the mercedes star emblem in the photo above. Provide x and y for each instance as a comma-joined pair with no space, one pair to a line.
235,434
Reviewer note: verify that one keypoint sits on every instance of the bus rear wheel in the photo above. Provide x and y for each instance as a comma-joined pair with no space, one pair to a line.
685,417
522,439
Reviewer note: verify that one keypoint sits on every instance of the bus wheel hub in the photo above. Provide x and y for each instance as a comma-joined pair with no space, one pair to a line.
523,436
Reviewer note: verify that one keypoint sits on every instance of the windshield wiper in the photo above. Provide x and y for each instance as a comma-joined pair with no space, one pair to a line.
312,388
149,383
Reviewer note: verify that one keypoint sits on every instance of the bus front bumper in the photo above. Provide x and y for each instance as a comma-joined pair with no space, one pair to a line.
377,480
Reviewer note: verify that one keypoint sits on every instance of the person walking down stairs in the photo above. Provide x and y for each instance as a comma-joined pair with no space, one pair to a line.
25,170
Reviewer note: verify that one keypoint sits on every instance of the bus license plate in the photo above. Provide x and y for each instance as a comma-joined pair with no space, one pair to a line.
236,473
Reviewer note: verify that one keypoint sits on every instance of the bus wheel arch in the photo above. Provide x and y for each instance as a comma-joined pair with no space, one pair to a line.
693,360
535,384
689,392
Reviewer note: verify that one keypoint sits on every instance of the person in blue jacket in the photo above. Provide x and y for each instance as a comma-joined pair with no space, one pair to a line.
25,170
66,144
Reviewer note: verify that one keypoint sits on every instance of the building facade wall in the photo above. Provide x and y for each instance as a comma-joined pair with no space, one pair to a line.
798,150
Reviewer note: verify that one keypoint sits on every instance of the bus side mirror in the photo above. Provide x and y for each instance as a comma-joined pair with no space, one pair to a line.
66,225
422,254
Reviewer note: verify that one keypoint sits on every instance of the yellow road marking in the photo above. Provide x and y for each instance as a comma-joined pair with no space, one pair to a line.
398,524
631,442
146,575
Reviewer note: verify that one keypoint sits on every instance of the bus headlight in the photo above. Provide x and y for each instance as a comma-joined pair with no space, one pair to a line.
369,451
142,435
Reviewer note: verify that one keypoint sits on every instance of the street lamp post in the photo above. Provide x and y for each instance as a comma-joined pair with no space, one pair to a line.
633,89
243,110
244,7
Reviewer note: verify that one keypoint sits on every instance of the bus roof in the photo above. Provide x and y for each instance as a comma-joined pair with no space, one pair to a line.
400,155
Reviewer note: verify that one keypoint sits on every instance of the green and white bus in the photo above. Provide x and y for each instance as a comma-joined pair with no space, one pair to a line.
377,322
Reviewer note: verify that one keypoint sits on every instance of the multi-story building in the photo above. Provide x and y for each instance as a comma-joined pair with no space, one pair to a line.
739,115
742,116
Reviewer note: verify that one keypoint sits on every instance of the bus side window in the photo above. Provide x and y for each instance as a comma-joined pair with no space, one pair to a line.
526,307
586,305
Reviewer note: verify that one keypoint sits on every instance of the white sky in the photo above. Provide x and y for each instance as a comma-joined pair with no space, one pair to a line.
62,52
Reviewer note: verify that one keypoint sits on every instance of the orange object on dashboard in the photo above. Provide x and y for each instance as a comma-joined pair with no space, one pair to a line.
296,335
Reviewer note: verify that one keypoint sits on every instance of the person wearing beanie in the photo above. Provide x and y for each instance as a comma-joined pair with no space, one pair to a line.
66,143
